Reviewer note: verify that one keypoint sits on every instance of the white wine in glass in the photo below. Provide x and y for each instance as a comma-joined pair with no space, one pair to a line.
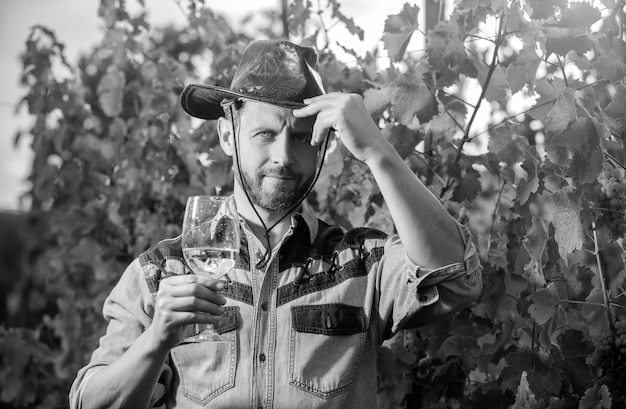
210,243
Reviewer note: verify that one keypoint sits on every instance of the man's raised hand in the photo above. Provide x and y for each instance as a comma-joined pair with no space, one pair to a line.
347,115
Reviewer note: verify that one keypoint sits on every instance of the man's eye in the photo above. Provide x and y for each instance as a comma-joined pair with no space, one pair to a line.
264,134
302,138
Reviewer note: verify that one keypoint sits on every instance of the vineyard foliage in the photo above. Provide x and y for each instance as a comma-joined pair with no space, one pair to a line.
513,113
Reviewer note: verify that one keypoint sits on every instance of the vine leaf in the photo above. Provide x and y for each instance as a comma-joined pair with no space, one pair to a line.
611,63
497,87
579,282
615,111
545,302
596,398
468,187
524,398
297,15
508,148
562,113
579,14
562,40
111,91
548,91
535,243
586,166
530,183
542,379
446,54
347,21
398,31
411,99
568,231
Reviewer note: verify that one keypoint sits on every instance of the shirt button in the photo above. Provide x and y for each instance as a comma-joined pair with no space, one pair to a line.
264,305
262,357
259,255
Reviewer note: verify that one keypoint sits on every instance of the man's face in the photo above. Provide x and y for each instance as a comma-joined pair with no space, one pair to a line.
277,160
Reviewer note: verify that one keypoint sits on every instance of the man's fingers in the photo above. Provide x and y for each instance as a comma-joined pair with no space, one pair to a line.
192,290
182,318
194,304
185,279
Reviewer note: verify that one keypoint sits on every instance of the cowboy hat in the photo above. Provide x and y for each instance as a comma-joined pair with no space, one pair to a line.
273,71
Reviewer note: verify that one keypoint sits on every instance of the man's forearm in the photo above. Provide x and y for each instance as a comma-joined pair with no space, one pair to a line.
130,381
427,231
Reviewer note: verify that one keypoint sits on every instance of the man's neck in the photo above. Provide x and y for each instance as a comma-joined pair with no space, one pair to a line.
245,210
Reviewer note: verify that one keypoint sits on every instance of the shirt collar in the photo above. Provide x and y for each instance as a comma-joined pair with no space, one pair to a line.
305,213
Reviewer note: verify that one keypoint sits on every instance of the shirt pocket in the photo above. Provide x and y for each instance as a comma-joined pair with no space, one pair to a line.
325,347
208,368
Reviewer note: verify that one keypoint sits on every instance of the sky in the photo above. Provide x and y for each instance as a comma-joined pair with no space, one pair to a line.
77,25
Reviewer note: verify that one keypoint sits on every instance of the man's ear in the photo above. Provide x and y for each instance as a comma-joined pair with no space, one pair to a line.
225,133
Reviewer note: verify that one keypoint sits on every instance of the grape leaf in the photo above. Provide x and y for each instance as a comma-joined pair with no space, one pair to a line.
468,187
451,117
111,91
534,243
562,113
298,13
530,183
574,345
585,167
596,398
459,345
562,40
542,379
524,398
579,282
445,52
506,146
347,21
548,91
398,31
544,306
516,76
497,86
615,111
412,99
543,9
579,14
611,63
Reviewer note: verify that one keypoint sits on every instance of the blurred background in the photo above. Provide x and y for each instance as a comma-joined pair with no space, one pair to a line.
78,26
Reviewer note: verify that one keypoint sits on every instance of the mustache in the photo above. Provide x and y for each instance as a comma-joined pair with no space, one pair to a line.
280,171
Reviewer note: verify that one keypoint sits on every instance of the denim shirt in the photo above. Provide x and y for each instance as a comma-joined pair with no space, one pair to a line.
304,330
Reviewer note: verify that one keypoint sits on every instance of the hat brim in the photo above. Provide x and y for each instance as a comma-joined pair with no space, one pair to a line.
204,100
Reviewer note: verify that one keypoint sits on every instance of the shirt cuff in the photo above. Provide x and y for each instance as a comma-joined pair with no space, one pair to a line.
424,280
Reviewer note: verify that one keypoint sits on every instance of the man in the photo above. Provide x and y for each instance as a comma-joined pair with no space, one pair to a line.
307,304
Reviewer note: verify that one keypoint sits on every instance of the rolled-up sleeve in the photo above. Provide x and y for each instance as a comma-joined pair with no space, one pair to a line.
128,311
411,295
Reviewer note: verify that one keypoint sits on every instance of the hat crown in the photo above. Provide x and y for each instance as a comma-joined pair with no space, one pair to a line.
277,69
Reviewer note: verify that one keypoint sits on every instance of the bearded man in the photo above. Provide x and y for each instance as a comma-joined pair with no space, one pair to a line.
308,304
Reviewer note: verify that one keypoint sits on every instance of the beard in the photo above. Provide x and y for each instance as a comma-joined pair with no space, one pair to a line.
280,197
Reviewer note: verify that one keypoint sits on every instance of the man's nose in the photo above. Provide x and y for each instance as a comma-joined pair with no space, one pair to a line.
281,150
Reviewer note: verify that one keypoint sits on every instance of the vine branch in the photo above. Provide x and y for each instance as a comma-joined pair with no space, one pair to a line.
485,86
605,294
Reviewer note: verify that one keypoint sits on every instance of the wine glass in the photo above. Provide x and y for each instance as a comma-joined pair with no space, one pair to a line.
210,241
